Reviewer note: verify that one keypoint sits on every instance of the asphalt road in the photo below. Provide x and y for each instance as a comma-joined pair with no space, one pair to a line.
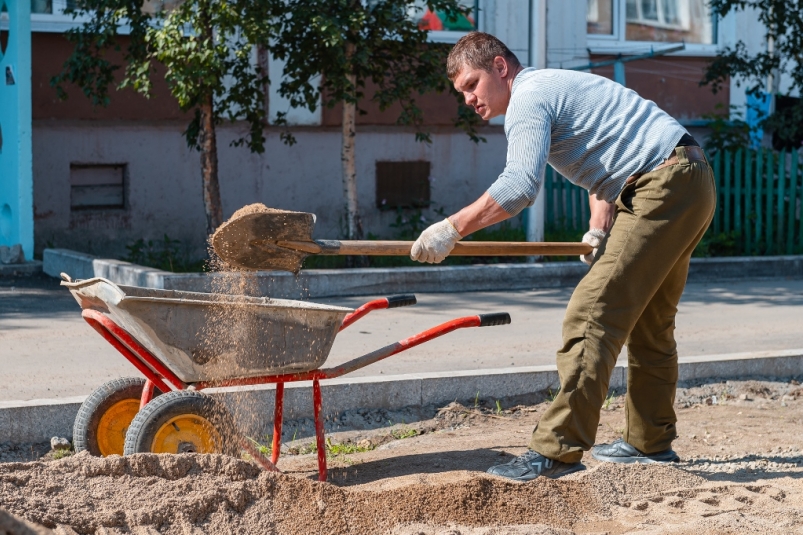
48,351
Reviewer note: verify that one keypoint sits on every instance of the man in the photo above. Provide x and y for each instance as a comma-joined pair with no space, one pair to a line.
652,197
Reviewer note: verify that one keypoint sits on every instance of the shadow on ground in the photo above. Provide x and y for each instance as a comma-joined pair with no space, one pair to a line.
478,460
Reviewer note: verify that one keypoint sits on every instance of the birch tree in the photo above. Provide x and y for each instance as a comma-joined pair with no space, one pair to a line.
196,45
331,48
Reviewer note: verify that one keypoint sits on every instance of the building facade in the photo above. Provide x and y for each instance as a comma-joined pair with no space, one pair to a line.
106,177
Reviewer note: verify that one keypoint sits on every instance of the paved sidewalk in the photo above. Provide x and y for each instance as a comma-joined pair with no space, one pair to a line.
48,351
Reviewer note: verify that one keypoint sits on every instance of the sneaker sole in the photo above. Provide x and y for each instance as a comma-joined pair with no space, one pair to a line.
634,460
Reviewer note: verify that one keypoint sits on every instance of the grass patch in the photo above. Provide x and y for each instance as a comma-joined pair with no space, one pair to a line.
332,448
400,434
60,454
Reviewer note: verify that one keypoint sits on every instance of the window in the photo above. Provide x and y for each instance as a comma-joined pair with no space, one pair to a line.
670,21
625,22
402,184
599,18
50,7
49,16
97,186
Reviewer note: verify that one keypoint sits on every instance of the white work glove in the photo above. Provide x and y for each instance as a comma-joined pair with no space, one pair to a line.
593,238
435,243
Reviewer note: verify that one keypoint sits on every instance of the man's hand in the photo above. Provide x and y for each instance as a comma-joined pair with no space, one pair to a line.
593,238
435,243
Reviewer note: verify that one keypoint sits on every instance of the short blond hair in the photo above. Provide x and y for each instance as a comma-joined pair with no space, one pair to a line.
477,50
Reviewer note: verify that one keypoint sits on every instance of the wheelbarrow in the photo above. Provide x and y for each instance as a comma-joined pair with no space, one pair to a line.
185,342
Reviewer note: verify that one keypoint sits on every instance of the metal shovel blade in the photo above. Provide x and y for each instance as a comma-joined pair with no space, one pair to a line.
248,239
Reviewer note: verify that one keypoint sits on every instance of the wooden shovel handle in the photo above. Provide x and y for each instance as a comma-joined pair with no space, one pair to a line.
468,248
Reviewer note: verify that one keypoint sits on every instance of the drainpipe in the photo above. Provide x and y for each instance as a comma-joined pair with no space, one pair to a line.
536,57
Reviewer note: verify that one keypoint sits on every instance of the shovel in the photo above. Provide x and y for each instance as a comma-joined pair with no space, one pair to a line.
261,238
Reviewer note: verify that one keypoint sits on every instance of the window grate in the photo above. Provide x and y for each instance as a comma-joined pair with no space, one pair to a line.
402,184
97,186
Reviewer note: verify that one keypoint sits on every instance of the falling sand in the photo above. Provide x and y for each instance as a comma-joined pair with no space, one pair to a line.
237,340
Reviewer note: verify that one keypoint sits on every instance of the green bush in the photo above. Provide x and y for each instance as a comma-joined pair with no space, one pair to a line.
719,244
166,254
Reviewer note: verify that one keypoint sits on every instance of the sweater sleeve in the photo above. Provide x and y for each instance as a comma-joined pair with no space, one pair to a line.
527,128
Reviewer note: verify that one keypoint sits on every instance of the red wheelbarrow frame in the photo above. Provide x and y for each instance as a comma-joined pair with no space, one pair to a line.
158,375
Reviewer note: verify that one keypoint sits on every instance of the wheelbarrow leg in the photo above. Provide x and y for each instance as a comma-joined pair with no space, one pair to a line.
147,393
321,441
277,423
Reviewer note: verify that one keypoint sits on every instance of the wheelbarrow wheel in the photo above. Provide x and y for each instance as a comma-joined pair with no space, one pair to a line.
104,416
183,421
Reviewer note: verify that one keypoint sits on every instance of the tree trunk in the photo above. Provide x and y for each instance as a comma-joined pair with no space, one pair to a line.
208,142
347,157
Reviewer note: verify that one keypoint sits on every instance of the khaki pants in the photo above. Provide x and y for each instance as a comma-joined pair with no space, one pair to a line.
630,295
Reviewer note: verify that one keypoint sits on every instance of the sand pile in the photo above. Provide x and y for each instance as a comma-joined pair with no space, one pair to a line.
741,473
218,494
12,525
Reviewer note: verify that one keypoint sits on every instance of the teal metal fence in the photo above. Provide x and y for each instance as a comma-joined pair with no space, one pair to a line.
759,195
566,205
759,203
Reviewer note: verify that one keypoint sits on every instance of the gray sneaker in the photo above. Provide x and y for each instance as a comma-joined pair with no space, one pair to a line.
622,452
532,464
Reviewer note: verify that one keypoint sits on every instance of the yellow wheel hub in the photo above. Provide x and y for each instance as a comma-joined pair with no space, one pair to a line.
187,433
113,425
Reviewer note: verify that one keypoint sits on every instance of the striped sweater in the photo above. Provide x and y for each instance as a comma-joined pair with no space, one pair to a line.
593,131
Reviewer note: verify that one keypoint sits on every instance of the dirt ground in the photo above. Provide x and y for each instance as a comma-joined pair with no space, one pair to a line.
741,444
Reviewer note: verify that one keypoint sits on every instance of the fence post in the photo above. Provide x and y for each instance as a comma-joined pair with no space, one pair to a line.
748,192
564,200
770,173
728,165
759,185
790,238
781,188
737,194
585,209
717,182
549,192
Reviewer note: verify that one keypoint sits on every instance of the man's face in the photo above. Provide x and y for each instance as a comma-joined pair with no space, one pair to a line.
487,92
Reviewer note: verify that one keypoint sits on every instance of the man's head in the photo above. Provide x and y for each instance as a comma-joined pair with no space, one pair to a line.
482,68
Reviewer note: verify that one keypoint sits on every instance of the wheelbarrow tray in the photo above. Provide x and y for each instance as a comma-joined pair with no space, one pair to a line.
214,337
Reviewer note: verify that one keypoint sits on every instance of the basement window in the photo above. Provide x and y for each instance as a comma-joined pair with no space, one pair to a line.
402,184
97,186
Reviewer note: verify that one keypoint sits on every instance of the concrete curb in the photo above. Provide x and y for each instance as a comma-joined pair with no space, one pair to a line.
38,420
14,270
318,283
84,266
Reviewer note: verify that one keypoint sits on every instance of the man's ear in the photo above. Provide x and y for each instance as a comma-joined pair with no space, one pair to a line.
501,66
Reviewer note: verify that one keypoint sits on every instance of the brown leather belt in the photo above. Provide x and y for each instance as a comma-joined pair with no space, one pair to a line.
693,154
